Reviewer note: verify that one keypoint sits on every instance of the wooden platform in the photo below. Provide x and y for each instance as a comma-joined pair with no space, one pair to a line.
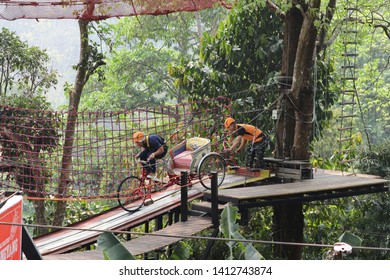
146,243
324,185
240,180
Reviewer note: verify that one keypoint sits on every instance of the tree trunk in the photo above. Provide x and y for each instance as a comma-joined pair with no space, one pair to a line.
288,223
74,101
294,127
302,95
286,124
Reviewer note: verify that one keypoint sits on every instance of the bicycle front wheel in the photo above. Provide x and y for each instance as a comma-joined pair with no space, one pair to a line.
209,163
131,194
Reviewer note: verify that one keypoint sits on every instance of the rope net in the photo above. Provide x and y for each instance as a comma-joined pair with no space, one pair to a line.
98,9
32,145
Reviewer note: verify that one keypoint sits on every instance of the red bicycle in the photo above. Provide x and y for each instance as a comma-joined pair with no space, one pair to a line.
192,155
133,191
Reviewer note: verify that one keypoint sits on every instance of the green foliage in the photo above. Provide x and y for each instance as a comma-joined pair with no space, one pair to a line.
351,239
181,251
370,222
131,81
140,50
241,58
229,228
372,67
81,210
113,248
239,61
27,137
339,160
376,161
24,70
326,97
365,216
344,247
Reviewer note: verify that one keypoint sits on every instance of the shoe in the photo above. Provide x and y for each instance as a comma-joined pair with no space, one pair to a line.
151,175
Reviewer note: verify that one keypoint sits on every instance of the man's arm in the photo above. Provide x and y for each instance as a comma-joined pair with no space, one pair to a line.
156,153
138,155
242,145
236,142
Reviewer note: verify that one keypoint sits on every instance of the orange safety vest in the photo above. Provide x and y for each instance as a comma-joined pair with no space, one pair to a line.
251,131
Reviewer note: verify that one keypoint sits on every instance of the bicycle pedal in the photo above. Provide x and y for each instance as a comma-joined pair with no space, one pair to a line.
255,169
233,167
148,202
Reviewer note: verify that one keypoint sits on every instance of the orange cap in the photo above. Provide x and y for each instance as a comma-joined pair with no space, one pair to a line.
229,121
138,136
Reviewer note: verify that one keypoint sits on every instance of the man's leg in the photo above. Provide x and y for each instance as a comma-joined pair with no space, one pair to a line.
260,150
260,158
150,168
249,157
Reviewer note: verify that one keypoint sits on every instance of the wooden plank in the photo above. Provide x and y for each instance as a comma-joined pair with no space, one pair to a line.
288,170
322,183
205,206
234,180
147,243
288,176
287,162
150,243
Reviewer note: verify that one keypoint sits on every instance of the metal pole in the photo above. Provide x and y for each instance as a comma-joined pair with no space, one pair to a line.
184,196
214,199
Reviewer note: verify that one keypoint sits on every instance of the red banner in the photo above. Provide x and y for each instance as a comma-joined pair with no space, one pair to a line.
11,235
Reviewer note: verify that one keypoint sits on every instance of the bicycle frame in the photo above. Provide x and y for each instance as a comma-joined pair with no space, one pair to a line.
133,191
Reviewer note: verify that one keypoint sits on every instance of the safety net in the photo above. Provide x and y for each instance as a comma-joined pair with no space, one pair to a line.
32,145
98,9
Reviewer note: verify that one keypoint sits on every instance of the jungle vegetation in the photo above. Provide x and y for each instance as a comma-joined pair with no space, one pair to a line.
242,54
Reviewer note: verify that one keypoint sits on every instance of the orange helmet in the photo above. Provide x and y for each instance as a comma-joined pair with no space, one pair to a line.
229,121
138,136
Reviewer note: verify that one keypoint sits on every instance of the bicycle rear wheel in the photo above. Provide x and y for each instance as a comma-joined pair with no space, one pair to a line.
131,194
209,163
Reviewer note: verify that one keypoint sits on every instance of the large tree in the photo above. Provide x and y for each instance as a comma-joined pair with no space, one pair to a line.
26,139
24,70
309,30
139,51
90,61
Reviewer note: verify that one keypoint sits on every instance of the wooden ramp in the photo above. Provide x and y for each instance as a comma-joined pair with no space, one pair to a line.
147,243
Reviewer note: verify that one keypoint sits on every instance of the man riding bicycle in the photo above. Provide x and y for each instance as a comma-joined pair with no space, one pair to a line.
152,147
248,133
